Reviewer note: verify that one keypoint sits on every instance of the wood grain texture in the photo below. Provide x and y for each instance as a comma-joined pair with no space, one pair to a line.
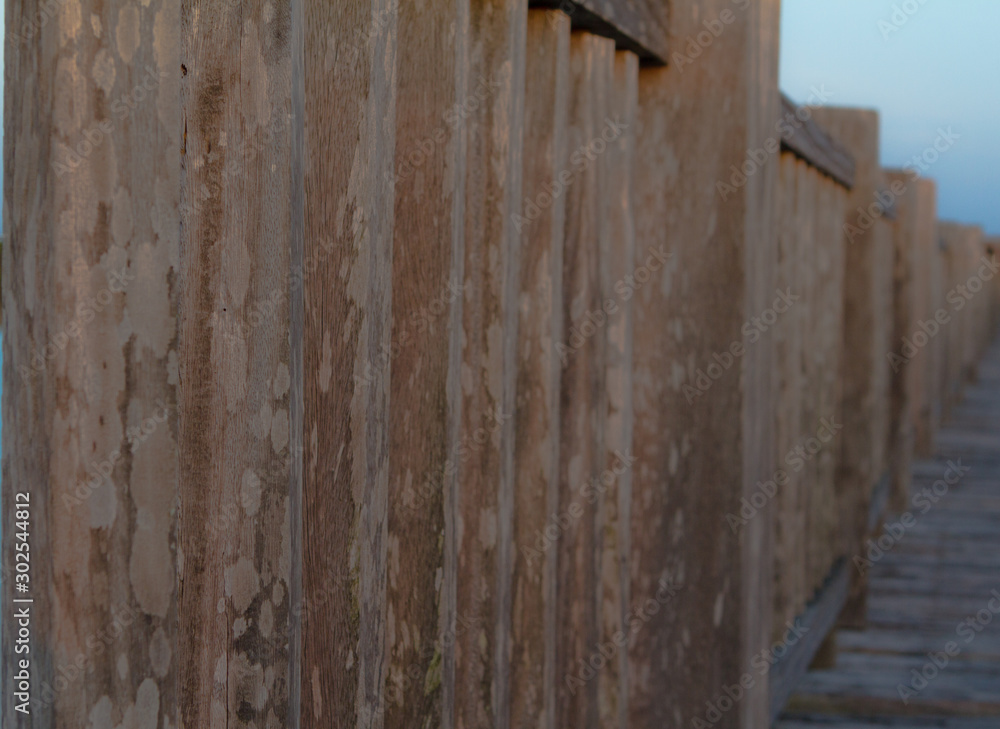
828,322
347,92
926,594
903,377
810,142
758,253
426,304
924,365
90,338
542,228
640,26
583,397
485,503
790,506
867,308
819,618
696,452
619,290
234,371
961,244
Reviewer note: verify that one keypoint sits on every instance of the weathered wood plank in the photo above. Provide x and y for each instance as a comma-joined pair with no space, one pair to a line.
904,377
818,619
345,104
866,330
932,599
924,208
90,329
536,460
427,275
484,506
640,26
583,398
790,498
613,617
695,457
758,254
234,366
812,143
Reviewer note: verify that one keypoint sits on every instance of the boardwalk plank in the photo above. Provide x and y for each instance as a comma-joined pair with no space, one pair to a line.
935,588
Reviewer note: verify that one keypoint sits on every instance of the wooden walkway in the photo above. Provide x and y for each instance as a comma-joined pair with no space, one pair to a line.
936,589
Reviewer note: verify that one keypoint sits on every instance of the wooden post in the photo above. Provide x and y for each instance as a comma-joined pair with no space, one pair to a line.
342,245
612,699
789,511
700,451
903,378
234,603
542,229
867,285
425,397
925,364
495,56
583,392
954,320
90,456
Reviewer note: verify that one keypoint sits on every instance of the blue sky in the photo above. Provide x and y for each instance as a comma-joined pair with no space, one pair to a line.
933,67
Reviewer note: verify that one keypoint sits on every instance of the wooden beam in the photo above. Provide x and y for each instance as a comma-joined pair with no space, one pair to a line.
818,620
809,141
639,26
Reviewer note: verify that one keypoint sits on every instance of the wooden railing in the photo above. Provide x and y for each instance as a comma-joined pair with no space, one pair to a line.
478,337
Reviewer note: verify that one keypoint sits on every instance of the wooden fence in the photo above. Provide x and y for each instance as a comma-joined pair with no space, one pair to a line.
450,363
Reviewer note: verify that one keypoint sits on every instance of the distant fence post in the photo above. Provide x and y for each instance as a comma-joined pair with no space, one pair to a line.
925,407
902,186
866,338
